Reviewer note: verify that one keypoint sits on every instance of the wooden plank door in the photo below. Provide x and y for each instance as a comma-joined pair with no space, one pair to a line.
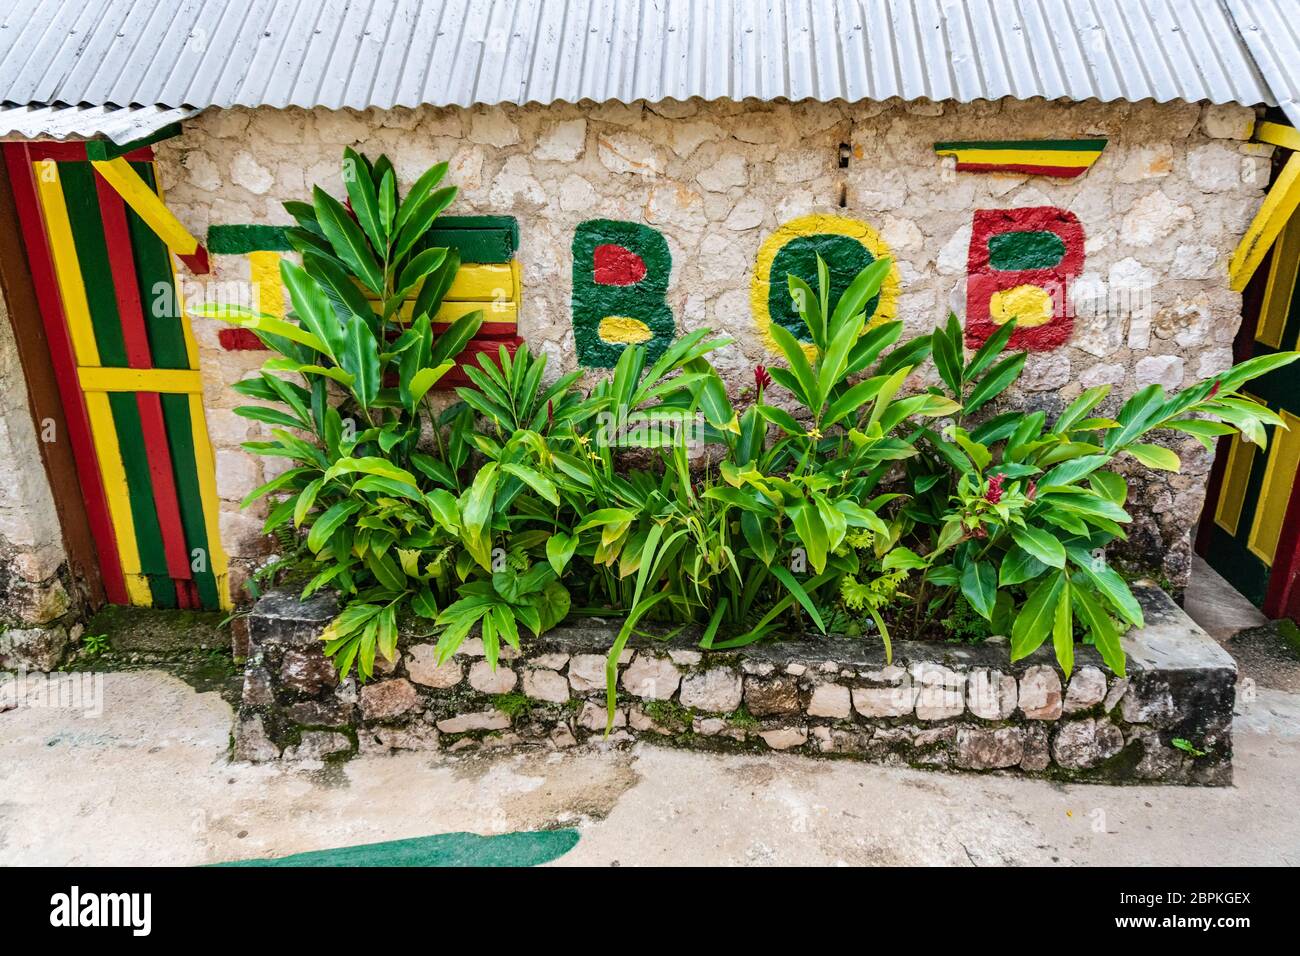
1250,532
127,366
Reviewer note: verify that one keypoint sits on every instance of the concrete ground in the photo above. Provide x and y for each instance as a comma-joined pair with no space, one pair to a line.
147,782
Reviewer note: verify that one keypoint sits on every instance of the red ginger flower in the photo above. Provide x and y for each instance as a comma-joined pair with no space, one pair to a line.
761,379
994,493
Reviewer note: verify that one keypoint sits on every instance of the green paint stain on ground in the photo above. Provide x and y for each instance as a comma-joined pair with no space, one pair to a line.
524,848
845,257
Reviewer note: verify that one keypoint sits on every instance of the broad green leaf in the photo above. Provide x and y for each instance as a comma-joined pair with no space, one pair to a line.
1107,581
1110,485
1037,618
798,362
419,190
1080,407
364,198
476,513
1068,472
1019,566
832,364
452,342
272,416
1203,430
426,378
758,534
325,526
900,557
852,399
443,506
341,289
1104,635
603,516
269,324
347,239
977,453
1087,503
421,219
808,307
995,382
794,587
312,306
1135,416
947,360
979,583
369,465
361,359
1041,544
559,549
1253,368
534,480
864,287
1063,630
1155,456
812,532
990,350
306,498
781,418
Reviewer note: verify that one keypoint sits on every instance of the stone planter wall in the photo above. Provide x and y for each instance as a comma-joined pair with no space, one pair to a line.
937,705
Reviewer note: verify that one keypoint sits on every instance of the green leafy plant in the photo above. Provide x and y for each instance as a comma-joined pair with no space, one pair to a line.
837,498
1017,512
354,361
92,645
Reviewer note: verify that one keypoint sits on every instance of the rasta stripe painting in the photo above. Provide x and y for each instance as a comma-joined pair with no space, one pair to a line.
1064,158
488,280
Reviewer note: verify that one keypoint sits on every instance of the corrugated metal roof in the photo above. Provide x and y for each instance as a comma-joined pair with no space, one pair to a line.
385,53
1271,30
119,124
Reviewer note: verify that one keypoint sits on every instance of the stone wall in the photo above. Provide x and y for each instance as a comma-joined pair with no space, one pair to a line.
936,705
1161,209
36,619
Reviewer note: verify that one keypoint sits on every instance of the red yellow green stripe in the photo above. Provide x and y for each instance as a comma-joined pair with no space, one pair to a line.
91,249
209,575
67,271
192,460
169,330
1043,157
140,492
148,205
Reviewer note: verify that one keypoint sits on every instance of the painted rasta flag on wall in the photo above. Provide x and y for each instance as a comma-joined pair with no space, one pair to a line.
1064,158
620,282
1020,266
488,279
847,245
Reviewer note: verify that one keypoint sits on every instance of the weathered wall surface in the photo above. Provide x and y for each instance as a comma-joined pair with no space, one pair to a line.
1160,212
34,602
